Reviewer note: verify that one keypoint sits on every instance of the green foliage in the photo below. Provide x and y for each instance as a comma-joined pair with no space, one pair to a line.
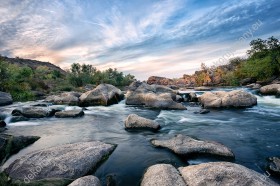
263,63
81,75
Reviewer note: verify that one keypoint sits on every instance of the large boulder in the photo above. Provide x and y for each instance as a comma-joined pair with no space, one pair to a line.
187,146
33,112
162,175
67,98
103,94
134,121
273,165
153,96
69,113
235,98
223,173
5,99
86,181
10,145
70,161
273,89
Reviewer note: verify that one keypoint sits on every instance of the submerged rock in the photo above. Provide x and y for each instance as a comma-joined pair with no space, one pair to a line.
223,173
86,181
103,94
235,98
273,165
69,114
162,175
134,121
5,99
187,146
14,119
273,89
33,112
68,98
10,145
2,123
153,96
70,161
202,111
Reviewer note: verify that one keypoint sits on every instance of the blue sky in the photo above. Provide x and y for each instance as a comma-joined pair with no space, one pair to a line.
142,37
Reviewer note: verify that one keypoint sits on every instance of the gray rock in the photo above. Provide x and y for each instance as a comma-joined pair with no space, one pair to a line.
67,98
134,121
86,181
10,145
254,86
162,175
179,98
70,161
272,89
18,118
103,94
5,99
153,96
235,98
223,173
33,112
204,111
273,165
187,146
202,88
2,123
69,114
247,81
193,97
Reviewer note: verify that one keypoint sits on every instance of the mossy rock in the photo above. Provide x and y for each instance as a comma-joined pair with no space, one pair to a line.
10,145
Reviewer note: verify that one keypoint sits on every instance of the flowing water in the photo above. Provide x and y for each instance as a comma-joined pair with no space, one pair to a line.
253,134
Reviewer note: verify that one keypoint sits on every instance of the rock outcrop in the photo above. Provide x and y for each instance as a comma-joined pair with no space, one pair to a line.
70,161
103,94
273,165
69,113
33,112
235,98
134,121
187,146
223,173
86,181
162,175
5,99
67,98
153,96
273,89
159,80
10,145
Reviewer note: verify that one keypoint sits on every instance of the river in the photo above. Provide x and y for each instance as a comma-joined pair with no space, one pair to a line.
252,133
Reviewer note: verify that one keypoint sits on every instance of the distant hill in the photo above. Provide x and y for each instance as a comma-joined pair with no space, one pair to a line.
33,64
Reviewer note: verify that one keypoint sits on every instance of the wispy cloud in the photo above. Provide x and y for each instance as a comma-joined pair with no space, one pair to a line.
143,37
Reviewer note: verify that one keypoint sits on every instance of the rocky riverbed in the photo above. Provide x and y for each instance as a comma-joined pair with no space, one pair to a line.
94,140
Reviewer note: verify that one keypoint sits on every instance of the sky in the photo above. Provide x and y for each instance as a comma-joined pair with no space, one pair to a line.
142,37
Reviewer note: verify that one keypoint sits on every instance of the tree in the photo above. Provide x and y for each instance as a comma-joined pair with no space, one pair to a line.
257,45
272,43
